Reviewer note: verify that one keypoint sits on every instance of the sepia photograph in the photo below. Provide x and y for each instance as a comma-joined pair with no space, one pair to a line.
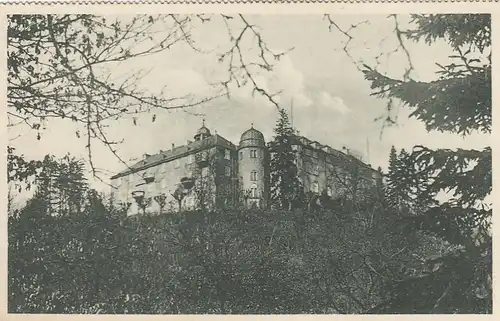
214,163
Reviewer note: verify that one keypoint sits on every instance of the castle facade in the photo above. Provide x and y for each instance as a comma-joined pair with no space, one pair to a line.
211,171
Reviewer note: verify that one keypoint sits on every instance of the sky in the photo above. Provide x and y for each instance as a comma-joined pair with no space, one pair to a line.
331,100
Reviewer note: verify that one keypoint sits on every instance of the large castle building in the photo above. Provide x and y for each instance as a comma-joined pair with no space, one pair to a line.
211,171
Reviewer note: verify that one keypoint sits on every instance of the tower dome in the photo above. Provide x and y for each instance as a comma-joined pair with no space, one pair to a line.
202,133
252,167
252,138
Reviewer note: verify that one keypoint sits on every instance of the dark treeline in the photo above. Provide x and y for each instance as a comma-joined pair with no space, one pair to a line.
341,258
227,261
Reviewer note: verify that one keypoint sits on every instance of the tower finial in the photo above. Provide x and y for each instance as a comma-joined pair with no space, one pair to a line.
251,124
203,122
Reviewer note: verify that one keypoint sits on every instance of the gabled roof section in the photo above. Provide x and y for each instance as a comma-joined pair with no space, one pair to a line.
177,152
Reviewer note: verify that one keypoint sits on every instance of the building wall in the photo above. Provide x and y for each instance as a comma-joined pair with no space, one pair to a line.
227,173
226,176
336,175
167,176
252,174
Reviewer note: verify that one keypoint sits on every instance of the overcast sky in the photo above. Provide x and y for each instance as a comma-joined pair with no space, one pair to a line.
332,102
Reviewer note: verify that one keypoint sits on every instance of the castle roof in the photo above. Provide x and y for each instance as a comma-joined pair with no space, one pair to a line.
252,138
203,131
177,152
313,145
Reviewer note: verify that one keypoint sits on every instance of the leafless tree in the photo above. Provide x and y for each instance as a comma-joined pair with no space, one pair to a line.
161,200
62,67
179,194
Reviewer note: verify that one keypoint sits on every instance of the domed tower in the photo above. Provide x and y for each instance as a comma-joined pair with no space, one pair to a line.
202,133
252,160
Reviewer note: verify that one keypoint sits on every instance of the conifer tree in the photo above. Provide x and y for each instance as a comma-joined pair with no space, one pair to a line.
392,178
285,184
458,102
62,184
398,191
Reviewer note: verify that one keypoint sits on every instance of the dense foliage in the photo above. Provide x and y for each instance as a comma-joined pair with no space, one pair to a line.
239,261
459,102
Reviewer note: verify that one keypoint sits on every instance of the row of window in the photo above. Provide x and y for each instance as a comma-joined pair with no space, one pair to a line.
227,155
253,174
227,172
253,190
253,154
311,152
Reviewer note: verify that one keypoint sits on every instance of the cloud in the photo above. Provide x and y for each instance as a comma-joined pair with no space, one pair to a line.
291,81
333,103
284,79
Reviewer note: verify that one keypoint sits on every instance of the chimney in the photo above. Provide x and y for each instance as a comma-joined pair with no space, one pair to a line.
145,156
173,145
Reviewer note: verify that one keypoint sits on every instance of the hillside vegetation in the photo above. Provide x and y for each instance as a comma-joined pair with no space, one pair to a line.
233,261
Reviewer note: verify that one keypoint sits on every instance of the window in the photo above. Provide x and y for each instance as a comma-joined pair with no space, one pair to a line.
315,153
227,170
253,153
316,169
241,155
227,154
253,176
253,191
